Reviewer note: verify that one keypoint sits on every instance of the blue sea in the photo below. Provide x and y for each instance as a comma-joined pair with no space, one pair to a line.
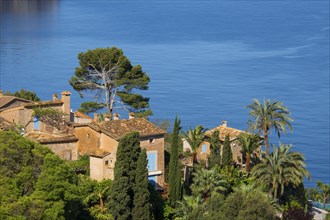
207,60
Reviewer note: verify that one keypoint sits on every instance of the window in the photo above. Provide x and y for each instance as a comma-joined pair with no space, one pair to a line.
88,135
106,162
151,141
36,123
204,148
152,160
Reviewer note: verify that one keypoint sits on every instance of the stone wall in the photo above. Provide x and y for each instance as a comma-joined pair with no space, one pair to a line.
156,144
235,148
96,168
67,151
200,154
14,104
88,140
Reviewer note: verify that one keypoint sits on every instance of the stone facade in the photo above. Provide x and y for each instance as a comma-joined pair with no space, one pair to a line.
8,102
204,150
20,112
102,147
102,167
66,150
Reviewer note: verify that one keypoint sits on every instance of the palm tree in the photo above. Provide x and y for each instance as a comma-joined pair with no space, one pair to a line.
270,114
195,137
324,192
186,206
279,169
215,145
249,143
206,182
101,192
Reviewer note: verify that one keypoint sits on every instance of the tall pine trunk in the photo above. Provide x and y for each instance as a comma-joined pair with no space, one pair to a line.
107,101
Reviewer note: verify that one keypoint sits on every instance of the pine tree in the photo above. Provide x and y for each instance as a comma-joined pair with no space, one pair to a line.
175,170
125,167
142,205
227,156
215,155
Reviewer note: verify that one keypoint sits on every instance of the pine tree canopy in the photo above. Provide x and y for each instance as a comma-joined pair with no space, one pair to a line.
109,74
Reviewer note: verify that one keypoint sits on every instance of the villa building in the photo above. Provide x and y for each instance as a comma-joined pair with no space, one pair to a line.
20,112
204,149
78,134
100,141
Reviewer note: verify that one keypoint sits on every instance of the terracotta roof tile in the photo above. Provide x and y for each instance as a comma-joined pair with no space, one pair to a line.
42,103
4,100
224,131
99,153
45,138
81,115
116,129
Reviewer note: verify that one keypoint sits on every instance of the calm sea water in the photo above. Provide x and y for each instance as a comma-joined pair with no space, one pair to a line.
206,59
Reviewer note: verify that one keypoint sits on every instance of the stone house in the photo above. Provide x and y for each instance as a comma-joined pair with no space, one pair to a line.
100,141
19,112
80,118
204,150
7,102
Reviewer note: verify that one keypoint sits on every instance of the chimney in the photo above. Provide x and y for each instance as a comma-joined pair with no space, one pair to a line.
106,117
116,116
131,115
1,94
55,97
66,101
96,117
224,123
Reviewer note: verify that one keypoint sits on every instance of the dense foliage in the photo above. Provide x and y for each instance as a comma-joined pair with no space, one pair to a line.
24,94
36,184
123,185
50,116
130,197
141,203
279,169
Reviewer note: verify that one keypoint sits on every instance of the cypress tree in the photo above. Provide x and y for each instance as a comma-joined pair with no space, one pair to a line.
122,193
175,170
227,155
142,206
215,155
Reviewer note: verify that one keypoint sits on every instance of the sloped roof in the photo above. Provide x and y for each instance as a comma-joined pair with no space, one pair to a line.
5,100
43,103
224,131
99,153
81,115
116,129
44,138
